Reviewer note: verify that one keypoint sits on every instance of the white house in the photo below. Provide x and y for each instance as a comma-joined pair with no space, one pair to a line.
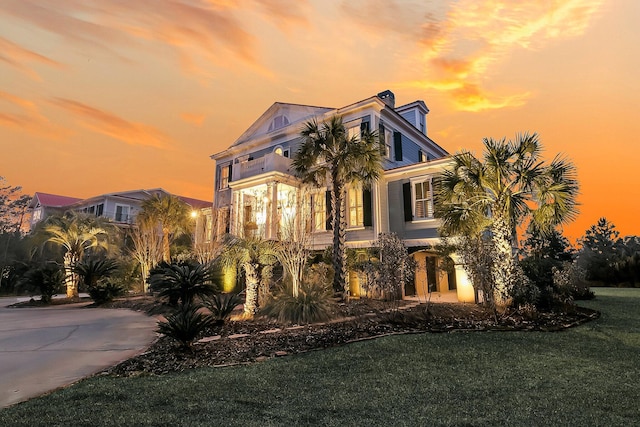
255,185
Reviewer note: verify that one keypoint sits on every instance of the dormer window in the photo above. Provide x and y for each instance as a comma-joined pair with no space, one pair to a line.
278,122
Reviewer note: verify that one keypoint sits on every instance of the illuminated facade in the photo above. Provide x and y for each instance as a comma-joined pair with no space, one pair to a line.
256,190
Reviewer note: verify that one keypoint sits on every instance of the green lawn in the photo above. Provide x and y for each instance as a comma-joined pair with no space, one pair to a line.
589,375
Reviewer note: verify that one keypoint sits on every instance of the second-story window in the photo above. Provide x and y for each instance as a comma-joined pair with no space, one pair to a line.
423,199
123,213
225,177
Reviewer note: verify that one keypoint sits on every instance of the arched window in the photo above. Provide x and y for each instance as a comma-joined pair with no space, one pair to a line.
278,122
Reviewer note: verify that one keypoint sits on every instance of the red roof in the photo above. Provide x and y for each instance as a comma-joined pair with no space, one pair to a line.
53,200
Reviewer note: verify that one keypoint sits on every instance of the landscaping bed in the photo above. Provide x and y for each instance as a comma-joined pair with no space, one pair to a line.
239,342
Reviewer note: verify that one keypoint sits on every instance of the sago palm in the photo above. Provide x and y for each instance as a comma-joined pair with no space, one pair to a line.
512,184
329,157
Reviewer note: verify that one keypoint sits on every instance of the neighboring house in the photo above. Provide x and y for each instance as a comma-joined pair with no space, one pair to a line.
120,208
255,187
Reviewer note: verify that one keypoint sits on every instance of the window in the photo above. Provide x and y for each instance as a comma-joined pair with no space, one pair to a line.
355,207
423,199
421,156
278,122
122,213
353,132
278,151
225,175
318,212
100,209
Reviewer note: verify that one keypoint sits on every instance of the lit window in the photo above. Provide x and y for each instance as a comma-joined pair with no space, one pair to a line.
318,212
353,132
423,199
355,207
278,151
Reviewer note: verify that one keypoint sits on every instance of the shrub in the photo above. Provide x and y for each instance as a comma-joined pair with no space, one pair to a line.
105,290
524,293
221,305
91,270
46,279
570,281
185,324
314,302
181,282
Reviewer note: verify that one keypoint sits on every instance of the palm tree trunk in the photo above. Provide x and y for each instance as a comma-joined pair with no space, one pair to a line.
166,247
504,273
339,239
71,278
251,302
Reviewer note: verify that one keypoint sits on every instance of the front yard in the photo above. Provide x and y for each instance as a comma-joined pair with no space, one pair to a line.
587,375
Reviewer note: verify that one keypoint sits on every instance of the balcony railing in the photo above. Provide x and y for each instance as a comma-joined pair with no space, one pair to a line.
269,163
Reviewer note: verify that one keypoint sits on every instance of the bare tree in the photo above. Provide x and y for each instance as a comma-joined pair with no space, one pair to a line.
295,238
147,247
208,241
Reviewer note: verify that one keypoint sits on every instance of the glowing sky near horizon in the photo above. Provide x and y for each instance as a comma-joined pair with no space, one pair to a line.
111,95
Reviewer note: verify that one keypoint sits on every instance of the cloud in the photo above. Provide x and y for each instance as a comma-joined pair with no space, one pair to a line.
21,58
111,125
193,118
25,116
461,46
199,32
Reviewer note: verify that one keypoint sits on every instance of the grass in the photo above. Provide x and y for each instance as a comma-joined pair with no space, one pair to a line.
589,375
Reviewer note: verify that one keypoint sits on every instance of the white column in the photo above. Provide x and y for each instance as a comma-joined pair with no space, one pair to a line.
271,210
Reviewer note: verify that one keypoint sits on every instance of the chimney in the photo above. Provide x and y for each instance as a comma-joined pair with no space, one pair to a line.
388,98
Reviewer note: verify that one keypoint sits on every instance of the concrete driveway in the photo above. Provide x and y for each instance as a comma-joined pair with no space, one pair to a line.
42,349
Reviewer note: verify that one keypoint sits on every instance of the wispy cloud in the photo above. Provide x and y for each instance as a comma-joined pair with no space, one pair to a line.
25,116
460,46
199,32
21,58
109,124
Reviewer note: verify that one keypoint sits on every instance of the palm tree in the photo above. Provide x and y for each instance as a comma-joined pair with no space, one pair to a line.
172,216
76,234
329,157
182,282
509,186
252,254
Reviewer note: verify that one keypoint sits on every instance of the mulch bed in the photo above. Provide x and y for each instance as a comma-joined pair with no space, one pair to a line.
241,342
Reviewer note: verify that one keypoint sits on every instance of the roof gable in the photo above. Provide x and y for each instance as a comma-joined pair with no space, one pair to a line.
52,200
279,116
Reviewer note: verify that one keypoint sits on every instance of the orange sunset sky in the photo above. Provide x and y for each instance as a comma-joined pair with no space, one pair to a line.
109,95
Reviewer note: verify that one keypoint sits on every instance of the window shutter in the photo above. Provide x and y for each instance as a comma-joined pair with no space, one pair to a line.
397,146
381,142
367,208
230,171
406,195
328,225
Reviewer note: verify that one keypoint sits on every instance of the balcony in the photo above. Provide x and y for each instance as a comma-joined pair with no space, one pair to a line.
269,163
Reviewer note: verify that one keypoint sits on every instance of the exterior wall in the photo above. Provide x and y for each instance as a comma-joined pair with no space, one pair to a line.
388,195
